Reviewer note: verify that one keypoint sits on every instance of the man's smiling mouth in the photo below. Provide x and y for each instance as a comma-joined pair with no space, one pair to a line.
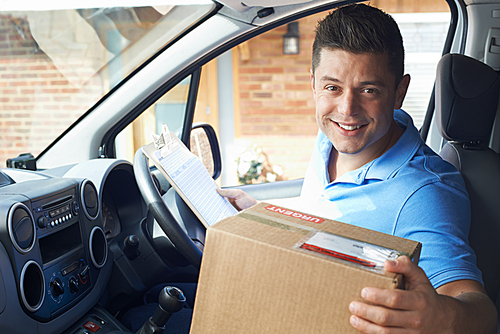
349,127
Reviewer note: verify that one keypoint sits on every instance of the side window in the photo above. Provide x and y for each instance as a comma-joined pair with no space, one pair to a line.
424,36
265,110
169,109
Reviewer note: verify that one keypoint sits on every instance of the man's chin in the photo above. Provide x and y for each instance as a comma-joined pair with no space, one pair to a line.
348,149
349,152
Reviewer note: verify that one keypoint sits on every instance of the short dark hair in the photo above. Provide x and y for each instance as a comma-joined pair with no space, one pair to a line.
360,29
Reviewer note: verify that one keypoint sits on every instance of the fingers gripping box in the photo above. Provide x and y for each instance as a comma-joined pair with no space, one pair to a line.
270,269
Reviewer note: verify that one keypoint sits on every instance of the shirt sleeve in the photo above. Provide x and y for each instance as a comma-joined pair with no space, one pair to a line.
438,216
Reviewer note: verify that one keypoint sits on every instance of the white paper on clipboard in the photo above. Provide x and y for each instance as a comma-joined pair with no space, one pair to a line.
189,177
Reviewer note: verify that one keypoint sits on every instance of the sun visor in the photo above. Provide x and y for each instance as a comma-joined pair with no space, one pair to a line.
242,6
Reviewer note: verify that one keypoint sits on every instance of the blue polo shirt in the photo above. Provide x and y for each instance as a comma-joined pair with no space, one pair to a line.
409,192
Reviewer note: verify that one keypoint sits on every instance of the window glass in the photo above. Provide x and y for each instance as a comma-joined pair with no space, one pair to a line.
58,59
424,36
266,115
170,109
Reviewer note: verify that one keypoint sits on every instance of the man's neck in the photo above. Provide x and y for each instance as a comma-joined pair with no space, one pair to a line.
339,166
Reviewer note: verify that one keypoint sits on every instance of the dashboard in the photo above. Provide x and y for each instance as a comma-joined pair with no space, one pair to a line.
56,227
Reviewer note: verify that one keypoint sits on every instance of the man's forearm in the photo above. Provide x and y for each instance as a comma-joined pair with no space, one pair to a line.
477,314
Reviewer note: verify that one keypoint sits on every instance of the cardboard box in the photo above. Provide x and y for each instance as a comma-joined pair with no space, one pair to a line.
256,276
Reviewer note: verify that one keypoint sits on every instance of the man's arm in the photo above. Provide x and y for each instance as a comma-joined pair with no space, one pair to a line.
457,307
238,198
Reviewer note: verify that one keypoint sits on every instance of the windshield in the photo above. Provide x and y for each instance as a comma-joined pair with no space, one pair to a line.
56,64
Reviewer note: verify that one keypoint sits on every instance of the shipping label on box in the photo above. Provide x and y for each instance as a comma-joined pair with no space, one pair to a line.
270,269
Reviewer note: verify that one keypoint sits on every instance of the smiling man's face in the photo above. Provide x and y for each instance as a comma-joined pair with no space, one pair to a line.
355,96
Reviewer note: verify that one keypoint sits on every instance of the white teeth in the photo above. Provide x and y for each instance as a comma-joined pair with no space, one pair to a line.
349,127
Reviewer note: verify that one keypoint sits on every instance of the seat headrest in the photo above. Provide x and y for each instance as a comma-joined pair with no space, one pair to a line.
467,93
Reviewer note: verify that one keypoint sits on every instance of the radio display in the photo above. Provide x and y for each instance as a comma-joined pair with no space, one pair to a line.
60,243
59,211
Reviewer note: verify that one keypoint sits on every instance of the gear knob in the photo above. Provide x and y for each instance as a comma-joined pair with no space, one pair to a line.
171,300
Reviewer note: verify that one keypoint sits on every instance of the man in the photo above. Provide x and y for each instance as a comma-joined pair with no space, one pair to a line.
370,168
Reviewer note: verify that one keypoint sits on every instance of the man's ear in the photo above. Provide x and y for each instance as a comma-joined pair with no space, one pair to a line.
312,84
401,91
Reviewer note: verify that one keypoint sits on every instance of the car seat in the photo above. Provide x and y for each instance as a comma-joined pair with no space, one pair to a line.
467,93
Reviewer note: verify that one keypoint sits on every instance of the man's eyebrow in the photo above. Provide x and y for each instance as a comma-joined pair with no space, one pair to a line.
373,83
377,83
329,78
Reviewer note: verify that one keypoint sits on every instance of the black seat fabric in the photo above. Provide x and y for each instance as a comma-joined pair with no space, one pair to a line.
467,93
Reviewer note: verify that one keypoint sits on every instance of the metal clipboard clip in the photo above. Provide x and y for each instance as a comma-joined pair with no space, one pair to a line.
165,142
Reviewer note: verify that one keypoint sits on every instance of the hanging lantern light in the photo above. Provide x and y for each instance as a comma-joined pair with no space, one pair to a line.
291,40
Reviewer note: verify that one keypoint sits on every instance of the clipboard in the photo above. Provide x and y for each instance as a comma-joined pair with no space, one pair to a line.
188,176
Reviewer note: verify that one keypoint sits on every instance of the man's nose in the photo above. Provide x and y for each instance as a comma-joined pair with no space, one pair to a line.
348,104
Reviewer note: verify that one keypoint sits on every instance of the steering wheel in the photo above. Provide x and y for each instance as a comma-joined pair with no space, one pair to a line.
164,217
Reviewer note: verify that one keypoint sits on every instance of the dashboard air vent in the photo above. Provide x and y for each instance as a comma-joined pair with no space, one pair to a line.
98,247
90,200
22,228
32,284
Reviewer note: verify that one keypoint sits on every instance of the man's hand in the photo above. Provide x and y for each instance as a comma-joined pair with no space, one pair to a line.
420,309
238,198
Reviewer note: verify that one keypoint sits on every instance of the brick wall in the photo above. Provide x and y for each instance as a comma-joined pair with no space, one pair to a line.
275,89
411,6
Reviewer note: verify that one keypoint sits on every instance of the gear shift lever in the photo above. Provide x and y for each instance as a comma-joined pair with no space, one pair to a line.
171,300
